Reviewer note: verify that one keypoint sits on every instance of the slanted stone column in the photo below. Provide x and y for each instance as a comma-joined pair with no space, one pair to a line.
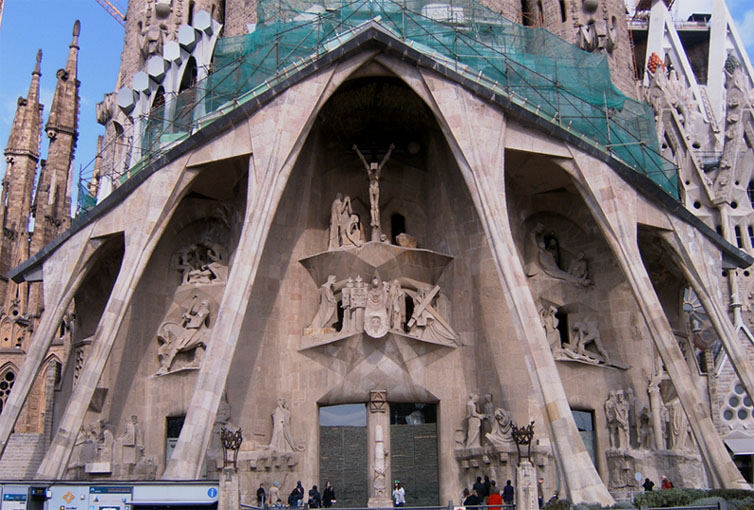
613,205
476,135
165,191
526,486
378,458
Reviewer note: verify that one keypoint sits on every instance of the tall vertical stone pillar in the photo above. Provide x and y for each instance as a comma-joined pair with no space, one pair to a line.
229,497
526,486
378,458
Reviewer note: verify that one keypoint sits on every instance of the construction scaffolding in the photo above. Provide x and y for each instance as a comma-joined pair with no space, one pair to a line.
530,66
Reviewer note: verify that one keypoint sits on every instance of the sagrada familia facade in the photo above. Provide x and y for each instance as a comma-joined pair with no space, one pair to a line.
380,238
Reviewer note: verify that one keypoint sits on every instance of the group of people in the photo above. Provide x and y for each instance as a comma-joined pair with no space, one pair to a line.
326,499
665,484
488,493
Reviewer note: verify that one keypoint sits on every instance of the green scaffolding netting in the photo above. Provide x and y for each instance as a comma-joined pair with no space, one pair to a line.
533,67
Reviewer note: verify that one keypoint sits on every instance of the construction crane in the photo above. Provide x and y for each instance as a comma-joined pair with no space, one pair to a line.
110,7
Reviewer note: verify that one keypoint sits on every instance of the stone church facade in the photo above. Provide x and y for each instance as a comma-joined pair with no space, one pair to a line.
378,231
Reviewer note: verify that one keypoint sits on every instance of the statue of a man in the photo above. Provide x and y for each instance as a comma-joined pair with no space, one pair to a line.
374,171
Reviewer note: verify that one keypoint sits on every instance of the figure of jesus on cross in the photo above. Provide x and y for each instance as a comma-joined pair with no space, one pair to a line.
373,172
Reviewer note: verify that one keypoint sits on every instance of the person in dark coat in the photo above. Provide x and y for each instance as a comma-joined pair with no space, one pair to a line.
478,486
315,499
328,495
473,499
509,493
648,485
261,496
486,485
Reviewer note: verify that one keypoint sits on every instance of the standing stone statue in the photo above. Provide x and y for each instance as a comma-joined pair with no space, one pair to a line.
397,304
373,172
281,440
679,425
473,422
327,313
358,303
488,410
622,408
345,301
611,418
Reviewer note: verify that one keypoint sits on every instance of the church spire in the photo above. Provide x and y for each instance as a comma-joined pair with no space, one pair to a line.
22,157
52,210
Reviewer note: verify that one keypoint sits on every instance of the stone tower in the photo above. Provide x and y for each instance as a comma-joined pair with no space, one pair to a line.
22,157
52,202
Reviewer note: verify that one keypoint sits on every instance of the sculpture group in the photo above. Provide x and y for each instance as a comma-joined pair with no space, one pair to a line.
378,307
488,422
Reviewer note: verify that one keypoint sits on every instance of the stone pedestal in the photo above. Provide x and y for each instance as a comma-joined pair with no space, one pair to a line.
526,486
378,437
229,497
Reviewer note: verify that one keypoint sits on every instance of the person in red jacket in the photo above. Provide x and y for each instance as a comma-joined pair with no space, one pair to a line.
666,484
495,500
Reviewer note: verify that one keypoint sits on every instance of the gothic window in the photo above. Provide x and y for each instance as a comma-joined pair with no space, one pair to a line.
739,238
7,379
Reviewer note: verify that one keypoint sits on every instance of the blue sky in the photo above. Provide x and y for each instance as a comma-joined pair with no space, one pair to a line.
31,24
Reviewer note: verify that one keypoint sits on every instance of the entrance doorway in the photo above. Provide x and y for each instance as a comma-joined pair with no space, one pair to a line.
343,453
413,452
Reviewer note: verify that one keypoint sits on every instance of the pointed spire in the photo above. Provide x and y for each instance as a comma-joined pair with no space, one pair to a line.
24,135
73,54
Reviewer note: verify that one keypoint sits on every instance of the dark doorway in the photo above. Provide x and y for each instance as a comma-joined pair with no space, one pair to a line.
413,452
343,453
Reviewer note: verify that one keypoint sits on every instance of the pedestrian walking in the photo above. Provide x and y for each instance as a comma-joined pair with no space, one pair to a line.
315,499
261,496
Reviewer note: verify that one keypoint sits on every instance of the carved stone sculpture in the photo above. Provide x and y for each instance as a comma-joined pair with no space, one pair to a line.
151,40
488,411
327,312
646,439
586,333
345,226
501,436
201,263
379,307
380,453
374,171
473,422
678,425
542,257
191,335
550,323
616,414
376,322
425,321
282,440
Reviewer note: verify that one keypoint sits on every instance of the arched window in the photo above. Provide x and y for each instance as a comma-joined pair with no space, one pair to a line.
7,379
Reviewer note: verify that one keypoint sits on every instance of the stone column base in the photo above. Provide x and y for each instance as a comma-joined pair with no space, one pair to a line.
526,486
378,502
229,497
